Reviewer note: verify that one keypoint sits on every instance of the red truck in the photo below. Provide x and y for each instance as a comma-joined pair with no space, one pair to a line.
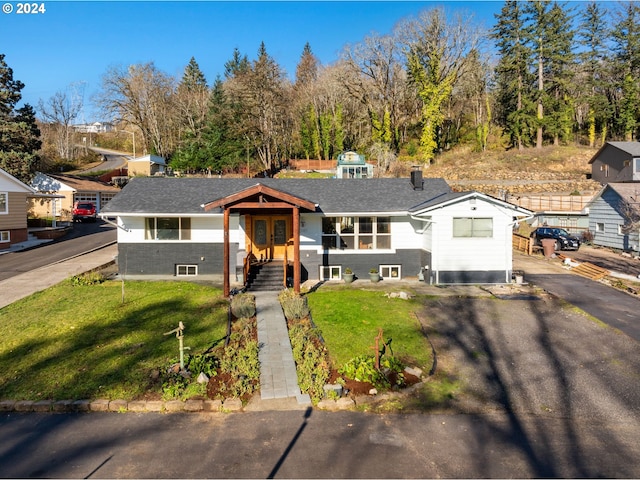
84,211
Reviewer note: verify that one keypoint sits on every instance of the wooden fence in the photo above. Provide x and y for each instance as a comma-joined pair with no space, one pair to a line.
522,243
551,203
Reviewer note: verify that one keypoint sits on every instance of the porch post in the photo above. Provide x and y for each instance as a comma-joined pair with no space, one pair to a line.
296,249
225,254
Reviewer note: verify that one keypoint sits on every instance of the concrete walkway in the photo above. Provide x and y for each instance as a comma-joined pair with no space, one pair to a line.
278,378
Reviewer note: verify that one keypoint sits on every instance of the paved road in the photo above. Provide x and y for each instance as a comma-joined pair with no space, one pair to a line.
84,237
324,445
611,306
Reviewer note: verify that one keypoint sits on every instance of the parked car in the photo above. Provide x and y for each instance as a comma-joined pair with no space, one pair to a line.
564,240
84,211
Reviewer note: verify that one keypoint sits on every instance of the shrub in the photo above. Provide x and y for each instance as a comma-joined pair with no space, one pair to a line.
312,362
87,279
240,361
243,305
294,306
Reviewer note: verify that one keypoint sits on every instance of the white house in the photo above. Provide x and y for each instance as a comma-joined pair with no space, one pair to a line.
220,228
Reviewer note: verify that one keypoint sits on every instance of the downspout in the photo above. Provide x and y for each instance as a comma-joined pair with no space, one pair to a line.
434,241
509,251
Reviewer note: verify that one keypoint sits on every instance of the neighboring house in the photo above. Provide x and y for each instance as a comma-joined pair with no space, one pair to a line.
71,188
353,165
216,228
616,162
146,166
556,210
610,211
13,210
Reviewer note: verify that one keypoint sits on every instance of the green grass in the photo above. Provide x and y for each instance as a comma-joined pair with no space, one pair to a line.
349,321
74,342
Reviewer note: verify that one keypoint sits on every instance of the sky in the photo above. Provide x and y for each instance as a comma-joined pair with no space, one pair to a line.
70,45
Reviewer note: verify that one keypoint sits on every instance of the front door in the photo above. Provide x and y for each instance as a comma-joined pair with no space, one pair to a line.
270,237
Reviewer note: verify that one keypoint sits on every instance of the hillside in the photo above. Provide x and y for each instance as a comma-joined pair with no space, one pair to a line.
548,170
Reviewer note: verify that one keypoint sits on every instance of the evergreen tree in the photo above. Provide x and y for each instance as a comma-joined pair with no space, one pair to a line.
593,33
307,69
512,74
626,38
19,134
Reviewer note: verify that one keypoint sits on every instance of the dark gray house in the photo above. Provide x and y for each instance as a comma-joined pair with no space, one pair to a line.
616,162
611,212
219,229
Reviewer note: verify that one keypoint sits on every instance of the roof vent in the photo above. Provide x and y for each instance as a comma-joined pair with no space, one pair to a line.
416,177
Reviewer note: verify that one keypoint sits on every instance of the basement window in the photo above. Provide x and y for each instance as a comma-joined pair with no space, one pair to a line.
186,270
330,272
5,236
390,272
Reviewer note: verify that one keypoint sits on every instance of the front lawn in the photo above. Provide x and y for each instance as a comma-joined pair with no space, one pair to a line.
350,319
74,342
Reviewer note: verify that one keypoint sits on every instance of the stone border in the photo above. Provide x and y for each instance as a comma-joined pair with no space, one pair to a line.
121,406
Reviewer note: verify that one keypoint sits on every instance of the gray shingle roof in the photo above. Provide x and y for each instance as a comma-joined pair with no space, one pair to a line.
158,195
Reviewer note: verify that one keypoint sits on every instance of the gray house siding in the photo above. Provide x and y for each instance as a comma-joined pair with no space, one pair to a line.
472,277
604,211
408,260
159,260
614,163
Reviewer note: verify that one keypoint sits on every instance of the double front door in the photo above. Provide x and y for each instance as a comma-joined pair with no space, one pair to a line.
269,237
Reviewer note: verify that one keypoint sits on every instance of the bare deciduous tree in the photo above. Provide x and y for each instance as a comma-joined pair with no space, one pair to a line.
142,96
60,112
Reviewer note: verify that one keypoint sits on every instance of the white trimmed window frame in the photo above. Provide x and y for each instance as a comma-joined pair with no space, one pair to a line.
4,203
5,236
390,272
186,270
335,272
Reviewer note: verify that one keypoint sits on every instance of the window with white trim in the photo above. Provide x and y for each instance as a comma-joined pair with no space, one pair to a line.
4,202
5,236
599,227
464,227
356,233
330,272
167,228
186,270
620,230
390,272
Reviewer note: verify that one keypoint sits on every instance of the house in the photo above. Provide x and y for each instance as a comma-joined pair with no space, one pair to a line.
95,127
147,166
615,207
353,165
70,189
13,210
218,228
616,162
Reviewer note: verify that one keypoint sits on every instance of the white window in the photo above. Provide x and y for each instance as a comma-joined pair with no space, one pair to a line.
356,233
167,228
599,227
330,272
5,236
390,272
4,202
620,227
636,164
472,227
186,270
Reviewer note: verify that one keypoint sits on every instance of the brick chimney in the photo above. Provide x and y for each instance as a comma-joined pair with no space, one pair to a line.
416,177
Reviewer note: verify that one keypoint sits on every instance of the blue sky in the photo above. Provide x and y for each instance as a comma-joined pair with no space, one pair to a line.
75,42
